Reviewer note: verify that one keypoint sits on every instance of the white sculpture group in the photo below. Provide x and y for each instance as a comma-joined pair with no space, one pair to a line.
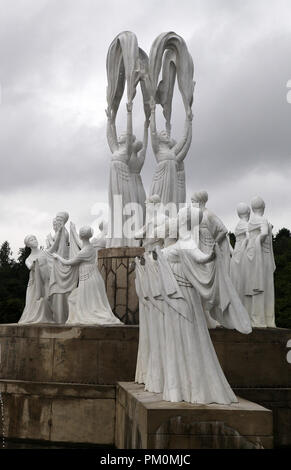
253,265
175,285
65,285
189,279
128,64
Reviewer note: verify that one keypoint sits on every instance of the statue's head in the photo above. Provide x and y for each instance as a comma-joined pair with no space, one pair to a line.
62,218
86,232
31,241
200,198
243,210
164,137
258,205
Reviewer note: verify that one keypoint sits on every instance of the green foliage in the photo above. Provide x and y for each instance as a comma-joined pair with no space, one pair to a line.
13,281
282,253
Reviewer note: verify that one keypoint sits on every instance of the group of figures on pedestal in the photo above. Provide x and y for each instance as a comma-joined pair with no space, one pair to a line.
129,64
65,285
189,281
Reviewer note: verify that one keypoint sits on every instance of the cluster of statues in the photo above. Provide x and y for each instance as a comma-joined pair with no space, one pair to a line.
189,279
127,63
188,283
252,264
65,285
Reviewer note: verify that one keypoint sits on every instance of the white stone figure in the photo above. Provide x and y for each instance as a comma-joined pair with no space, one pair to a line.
169,52
61,246
165,179
238,271
88,303
154,376
192,370
142,290
260,267
126,64
155,217
211,230
119,180
37,308
135,165
183,352
99,242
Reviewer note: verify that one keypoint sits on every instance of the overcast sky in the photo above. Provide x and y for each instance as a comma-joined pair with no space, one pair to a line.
53,149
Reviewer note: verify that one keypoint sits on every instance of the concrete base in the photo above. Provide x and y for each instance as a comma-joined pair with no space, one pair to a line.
48,357
58,412
144,420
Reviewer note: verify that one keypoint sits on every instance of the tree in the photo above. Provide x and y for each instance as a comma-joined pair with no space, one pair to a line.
5,255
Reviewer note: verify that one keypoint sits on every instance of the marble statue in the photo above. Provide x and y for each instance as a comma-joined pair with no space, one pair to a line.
260,267
211,230
37,308
88,303
176,356
135,165
61,246
238,271
126,64
169,52
168,157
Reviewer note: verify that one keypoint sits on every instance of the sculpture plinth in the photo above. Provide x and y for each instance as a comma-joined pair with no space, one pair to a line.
119,277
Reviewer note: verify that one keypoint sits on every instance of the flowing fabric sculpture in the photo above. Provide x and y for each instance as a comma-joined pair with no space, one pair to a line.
88,303
37,308
260,267
238,272
169,52
126,63
176,356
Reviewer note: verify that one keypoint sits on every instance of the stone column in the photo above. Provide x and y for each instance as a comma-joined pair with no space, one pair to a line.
119,277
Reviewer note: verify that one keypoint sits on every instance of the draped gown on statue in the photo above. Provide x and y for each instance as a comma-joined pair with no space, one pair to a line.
37,308
192,371
88,303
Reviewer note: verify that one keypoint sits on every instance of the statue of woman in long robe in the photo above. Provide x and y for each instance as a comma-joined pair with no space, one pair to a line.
260,267
238,271
88,303
37,308
187,368
119,180
165,179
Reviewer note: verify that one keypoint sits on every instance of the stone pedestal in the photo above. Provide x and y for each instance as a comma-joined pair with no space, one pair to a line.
59,413
145,421
52,366
119,277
